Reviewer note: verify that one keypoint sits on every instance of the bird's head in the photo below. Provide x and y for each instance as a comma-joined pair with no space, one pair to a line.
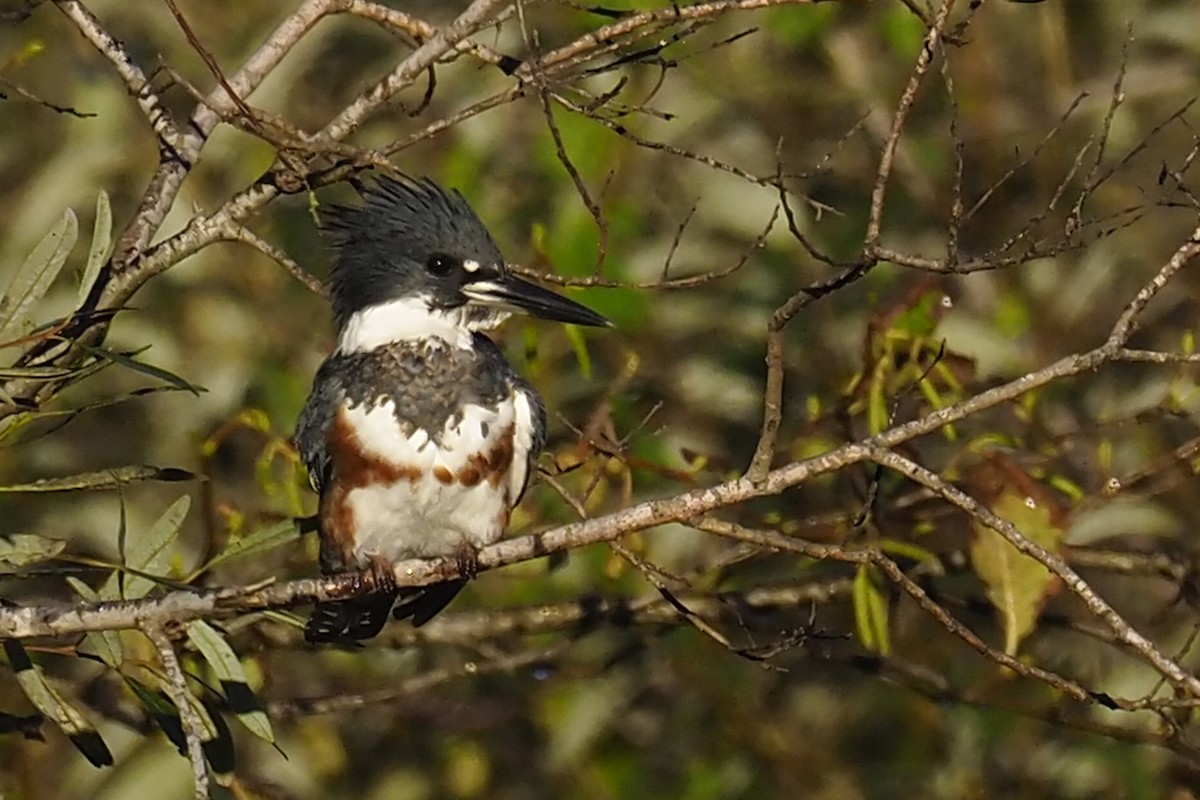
416,261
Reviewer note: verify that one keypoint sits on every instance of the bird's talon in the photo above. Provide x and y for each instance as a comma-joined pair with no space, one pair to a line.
466,558
382,576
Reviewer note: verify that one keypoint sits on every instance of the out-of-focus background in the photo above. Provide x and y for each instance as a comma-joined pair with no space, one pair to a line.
1013,111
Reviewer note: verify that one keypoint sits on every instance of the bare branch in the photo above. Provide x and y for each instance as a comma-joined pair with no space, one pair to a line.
478,15
177,690
183,606
422,31
1127,322
170,137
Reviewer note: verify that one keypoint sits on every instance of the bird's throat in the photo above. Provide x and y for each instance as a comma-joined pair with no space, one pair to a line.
405,320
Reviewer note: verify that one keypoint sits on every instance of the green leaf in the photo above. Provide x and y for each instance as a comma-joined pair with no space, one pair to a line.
160,707
34,277
1016,584
45,373
105,644
910,551
23,549
218,751
130,362
101,246
10,426
104,479
149,553
228,669
263,539
52,705
871,612
35,373
118,578
1068,487
877,405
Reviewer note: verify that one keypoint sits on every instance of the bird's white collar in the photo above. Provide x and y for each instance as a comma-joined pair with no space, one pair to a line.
410,319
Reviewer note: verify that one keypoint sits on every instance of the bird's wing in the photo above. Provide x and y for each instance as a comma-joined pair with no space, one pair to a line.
531,418
312,429
494,374
356,618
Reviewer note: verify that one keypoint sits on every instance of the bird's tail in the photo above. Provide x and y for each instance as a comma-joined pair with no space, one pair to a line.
422,604
350,620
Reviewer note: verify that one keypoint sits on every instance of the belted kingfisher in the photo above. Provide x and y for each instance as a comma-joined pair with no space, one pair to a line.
418,435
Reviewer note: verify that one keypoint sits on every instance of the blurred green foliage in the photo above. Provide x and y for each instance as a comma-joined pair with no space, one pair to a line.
672,398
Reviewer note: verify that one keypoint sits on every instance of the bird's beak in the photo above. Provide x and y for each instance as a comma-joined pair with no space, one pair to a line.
508,292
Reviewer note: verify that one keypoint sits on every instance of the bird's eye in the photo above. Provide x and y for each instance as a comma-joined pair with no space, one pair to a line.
440,264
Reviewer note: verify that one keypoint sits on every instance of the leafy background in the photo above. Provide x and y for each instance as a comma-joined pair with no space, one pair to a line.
641,710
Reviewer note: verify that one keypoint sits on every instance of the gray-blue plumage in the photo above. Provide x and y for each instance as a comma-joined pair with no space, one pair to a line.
429,390
399,225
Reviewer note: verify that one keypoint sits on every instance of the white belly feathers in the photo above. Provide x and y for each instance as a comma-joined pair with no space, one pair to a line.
459,491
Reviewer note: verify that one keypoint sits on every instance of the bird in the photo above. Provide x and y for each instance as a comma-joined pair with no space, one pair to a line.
418,436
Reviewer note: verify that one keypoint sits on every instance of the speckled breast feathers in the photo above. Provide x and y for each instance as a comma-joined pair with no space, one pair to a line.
417,448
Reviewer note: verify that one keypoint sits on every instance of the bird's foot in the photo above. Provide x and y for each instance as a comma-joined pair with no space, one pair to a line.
381,576
466,558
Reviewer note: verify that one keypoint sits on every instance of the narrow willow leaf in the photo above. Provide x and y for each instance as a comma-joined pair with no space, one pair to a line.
105,644
34,277
35,373
104,479
146,369
71,413
162,710
871,612
208,728
101,246
48,701
1016,584
218,751
23,549
149,553
228,669
44,373
263,539
117,590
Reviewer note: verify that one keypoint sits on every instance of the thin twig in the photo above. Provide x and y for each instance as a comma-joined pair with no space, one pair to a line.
177,689
247,236
875,217
349,701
